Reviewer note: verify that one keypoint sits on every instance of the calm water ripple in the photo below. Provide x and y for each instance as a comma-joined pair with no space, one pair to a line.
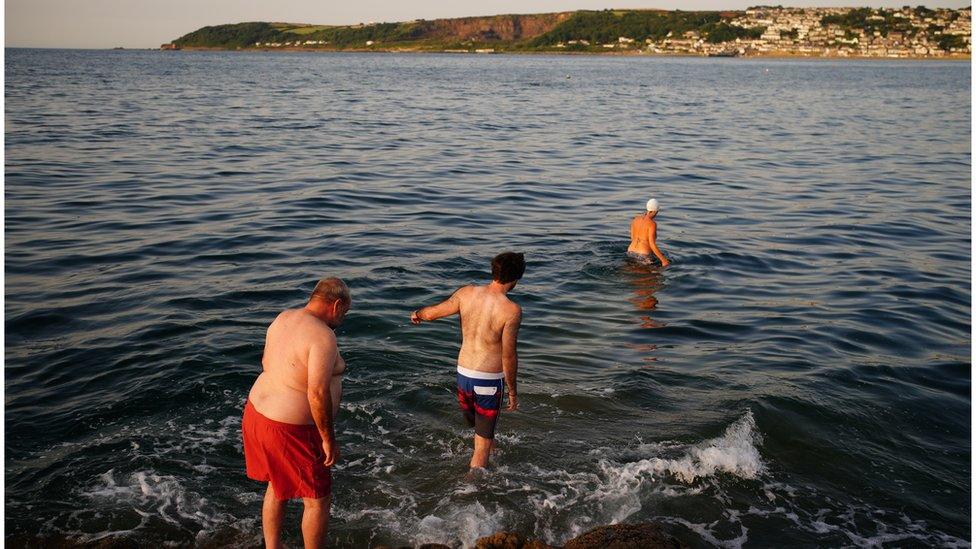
801,373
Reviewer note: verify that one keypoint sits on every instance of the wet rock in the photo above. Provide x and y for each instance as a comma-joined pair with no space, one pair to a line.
501,540
509,540
626,536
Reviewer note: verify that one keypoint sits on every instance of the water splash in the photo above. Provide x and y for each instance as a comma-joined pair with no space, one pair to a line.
736,452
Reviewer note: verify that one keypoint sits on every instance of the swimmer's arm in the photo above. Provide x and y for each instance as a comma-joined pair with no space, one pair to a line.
510,358
652,239
448,307
321,363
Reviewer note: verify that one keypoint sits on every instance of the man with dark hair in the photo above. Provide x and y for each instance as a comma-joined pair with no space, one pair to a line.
288,426
489,336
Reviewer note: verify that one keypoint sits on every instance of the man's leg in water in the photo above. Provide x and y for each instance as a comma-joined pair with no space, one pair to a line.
315,521
482,450
272,513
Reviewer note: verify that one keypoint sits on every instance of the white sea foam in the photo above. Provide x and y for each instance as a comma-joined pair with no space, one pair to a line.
863,525
464,523
150,494
735,452
616,489
449,522
706,532
614,484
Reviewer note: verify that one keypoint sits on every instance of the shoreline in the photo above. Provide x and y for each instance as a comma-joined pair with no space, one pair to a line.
778,55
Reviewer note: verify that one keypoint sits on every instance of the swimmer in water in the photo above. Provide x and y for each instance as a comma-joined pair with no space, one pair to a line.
488,360
643,236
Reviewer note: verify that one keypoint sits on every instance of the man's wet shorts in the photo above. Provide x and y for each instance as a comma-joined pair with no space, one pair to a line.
480,397
289,456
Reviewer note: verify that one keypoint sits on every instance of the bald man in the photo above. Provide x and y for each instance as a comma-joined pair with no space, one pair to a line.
288,426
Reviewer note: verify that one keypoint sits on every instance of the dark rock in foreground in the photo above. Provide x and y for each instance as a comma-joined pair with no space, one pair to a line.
619,536
509,540
501,540
626,536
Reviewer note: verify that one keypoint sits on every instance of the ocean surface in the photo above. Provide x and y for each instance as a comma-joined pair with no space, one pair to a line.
799,376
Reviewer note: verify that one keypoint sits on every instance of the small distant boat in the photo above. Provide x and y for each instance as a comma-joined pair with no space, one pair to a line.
726,53
169,46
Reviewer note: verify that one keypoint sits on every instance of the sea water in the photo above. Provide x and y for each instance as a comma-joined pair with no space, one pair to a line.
800,374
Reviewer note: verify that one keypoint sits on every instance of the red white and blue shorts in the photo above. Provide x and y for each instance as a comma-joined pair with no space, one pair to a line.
480,397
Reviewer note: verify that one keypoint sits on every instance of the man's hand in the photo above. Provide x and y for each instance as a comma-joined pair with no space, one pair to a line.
331,449
512,402
414,317
665,262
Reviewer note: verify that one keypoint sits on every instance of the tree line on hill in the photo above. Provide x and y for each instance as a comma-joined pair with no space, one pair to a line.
602,27
595,27
598,27
240,35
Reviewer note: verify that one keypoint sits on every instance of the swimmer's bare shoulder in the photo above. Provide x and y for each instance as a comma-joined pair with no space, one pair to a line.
514,312
463,294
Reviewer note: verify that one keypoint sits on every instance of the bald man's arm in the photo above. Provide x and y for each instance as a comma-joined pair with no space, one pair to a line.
321,363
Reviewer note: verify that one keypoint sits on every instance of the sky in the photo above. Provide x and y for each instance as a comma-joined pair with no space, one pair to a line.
149,23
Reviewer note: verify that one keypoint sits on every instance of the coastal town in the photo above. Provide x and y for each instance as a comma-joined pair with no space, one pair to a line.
905,32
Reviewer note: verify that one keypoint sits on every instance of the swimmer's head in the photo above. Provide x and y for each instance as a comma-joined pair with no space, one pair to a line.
652,206
508,268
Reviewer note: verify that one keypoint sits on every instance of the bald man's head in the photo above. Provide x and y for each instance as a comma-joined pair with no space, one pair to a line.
331,289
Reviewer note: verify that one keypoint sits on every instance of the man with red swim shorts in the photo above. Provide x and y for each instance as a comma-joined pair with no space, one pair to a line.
489,335
288,429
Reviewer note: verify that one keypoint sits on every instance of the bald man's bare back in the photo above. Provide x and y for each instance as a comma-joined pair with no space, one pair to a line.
295,339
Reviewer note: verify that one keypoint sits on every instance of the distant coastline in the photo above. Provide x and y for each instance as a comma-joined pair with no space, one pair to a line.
859,33
771,55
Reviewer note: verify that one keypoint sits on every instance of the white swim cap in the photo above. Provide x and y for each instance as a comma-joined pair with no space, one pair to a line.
652,205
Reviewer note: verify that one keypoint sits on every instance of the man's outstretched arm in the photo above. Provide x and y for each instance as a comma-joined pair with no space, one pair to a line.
448,307
510,358
321,362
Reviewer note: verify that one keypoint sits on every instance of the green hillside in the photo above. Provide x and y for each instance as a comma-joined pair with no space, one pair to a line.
503,33
759,30
599,27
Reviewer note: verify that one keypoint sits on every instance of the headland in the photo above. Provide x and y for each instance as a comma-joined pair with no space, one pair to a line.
760,31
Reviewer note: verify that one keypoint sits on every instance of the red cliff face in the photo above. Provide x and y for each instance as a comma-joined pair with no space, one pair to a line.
498,27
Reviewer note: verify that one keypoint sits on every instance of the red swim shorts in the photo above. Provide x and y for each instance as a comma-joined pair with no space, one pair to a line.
289,456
